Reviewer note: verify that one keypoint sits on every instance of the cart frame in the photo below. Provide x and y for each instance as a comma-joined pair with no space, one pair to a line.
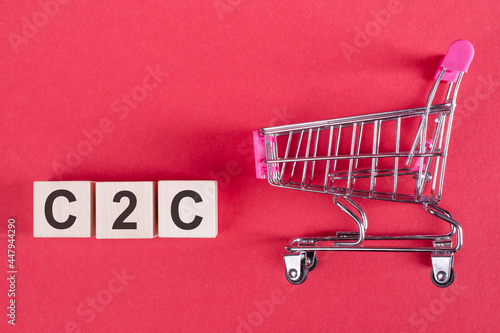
281,169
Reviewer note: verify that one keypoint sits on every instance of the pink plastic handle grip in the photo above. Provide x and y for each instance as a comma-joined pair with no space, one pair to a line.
259,150
457,59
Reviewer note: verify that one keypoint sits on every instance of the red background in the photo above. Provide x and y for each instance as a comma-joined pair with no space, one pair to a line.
253,65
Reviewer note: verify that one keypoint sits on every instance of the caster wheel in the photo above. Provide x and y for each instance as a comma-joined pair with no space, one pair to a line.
446,284
297,280
312,257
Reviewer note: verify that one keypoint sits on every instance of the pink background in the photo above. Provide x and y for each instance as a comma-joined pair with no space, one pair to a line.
232,67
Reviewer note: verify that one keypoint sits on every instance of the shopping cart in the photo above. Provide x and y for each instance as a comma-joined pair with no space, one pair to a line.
367,157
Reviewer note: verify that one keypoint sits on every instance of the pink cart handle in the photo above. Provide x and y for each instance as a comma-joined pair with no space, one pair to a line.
457,59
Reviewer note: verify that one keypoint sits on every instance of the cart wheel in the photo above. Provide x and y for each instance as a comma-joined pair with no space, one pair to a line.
313,260
446,284
301,278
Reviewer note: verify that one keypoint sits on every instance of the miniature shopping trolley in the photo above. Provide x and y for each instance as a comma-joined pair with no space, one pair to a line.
394,156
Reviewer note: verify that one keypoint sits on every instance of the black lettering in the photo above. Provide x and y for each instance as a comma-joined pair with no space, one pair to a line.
49,213
175,210
120,220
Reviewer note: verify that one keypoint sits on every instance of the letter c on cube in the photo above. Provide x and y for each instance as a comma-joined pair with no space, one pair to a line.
63,209
187,209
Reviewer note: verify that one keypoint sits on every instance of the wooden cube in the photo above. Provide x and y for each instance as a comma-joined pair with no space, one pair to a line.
126,210
187,209
63,209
